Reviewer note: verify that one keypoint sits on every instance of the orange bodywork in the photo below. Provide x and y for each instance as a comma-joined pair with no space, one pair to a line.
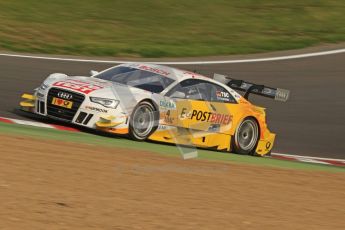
210,124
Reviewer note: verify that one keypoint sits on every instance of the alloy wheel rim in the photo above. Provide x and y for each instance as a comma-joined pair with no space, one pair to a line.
143,120
247,135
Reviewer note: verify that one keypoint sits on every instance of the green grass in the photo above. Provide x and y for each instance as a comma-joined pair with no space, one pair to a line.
174,28
167,150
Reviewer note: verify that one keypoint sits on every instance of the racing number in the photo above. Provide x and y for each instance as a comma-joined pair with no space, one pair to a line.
268,145
168,119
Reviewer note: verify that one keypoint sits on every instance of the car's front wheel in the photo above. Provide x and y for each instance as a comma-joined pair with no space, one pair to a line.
246,137
143,121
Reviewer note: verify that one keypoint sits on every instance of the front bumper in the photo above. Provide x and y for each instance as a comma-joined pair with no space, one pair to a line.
86,114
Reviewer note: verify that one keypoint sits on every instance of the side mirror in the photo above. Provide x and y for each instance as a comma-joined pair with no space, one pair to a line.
93,72
178,94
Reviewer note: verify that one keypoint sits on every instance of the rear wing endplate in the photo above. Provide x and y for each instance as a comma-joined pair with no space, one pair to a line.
274,93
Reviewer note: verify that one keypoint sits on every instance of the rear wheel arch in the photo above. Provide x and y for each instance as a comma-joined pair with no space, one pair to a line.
236,147
257,121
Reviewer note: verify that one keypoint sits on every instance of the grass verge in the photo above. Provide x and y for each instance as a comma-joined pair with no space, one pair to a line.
168,150
174,28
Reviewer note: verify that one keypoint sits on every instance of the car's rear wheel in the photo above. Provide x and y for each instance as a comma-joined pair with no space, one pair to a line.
143,121
246,137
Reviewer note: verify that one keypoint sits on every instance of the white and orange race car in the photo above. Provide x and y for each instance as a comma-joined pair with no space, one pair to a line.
160,103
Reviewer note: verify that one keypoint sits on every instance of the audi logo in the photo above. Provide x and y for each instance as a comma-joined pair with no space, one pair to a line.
64,95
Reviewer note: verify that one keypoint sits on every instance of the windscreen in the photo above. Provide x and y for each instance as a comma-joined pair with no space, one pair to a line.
142,79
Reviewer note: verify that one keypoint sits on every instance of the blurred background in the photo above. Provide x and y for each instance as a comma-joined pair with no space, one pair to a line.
169,28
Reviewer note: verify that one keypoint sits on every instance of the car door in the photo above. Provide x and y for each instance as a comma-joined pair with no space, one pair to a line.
201,106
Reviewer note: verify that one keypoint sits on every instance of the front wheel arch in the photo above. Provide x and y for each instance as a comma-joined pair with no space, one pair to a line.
152,121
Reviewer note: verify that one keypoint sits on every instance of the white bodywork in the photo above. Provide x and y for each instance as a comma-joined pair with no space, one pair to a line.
127,96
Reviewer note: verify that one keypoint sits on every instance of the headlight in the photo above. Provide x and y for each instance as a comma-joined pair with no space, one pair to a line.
108,103
43,86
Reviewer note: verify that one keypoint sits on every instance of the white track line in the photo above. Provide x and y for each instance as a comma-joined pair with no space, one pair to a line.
308,160
314,158
186,62
31,123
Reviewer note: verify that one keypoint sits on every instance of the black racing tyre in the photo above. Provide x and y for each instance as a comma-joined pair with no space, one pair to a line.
143,121
246,137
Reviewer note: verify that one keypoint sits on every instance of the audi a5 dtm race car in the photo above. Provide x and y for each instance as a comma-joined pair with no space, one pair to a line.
146,101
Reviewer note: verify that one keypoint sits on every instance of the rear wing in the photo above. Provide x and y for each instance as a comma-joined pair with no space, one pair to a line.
248,88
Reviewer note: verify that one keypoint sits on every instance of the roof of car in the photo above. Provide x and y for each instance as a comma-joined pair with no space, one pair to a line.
178,74
174,73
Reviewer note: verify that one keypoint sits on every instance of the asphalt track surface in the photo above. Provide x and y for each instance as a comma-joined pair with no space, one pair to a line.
311,123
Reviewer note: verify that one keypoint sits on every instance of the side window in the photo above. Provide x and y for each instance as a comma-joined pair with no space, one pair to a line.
188,89
219,94
195,89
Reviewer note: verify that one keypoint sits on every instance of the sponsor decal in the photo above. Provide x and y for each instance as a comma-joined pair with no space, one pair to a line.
167,104
162,127
80,86
267,91
153,70
96,109
214,128
222,94
62,103
205,116
192,74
